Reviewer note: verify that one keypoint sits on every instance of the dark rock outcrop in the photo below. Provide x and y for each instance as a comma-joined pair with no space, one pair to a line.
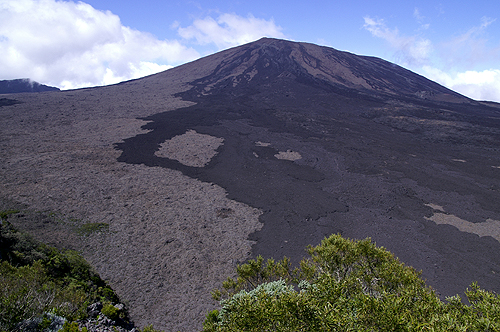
24,85
99,322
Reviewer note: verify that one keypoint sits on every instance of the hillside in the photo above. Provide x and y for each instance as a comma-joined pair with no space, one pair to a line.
260,149
24,85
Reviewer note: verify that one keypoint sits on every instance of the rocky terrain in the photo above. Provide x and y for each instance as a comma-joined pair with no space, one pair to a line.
24,85
260,149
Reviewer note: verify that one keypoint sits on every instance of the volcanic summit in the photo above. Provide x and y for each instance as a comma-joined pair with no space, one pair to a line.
261,149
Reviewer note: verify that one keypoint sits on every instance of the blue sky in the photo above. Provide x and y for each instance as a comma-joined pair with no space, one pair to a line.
97,42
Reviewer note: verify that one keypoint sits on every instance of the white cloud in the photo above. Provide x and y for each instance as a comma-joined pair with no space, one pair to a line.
479,85
470,47
411,50
230,30
417,15
420,18
71,45
463,51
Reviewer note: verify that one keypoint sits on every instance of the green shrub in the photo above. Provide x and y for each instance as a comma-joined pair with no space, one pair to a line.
28,292
72,327
25,293
17,247
111,311
150,328
5,213
344,286
36,279
92,227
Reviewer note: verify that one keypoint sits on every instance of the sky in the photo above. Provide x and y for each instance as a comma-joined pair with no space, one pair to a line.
71,44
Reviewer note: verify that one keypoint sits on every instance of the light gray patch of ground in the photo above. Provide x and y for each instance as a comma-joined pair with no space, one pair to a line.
489,227
288,155
283,155
191,148
435,207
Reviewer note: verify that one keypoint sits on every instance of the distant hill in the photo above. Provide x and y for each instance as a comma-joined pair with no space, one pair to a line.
24,85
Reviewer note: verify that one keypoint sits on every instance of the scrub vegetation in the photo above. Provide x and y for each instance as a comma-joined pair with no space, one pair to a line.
345,285
38,281
89,228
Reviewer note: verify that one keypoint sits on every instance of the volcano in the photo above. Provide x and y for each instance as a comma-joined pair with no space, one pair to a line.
261,149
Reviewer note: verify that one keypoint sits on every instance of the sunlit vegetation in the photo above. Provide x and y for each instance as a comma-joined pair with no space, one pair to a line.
90,228
345,285
38,281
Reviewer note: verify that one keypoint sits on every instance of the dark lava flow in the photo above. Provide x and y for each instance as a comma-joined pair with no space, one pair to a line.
382,159
289,194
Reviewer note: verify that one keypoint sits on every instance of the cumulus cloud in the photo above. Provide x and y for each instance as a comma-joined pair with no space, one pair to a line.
71,45
479,85
410,50
230,30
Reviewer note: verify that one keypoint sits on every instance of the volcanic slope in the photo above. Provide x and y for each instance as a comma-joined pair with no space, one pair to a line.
259,150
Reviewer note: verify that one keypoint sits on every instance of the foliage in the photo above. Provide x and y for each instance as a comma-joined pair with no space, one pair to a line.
150,328
92,227
46,323
4,214
28,292
111,311
344,286
72,327
36,279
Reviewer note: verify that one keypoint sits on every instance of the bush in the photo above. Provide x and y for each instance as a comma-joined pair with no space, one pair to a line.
93,227
28,292
47,323
344,286
150,328
5,213
110,311
72,327
36,279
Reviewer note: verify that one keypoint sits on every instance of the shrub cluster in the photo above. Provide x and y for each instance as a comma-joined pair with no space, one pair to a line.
38,281
345,285
89,228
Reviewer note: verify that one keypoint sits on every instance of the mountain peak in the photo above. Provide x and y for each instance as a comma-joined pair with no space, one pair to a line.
24,85
270,61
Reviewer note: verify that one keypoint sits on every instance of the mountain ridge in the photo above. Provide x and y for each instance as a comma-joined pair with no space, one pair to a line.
24,85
